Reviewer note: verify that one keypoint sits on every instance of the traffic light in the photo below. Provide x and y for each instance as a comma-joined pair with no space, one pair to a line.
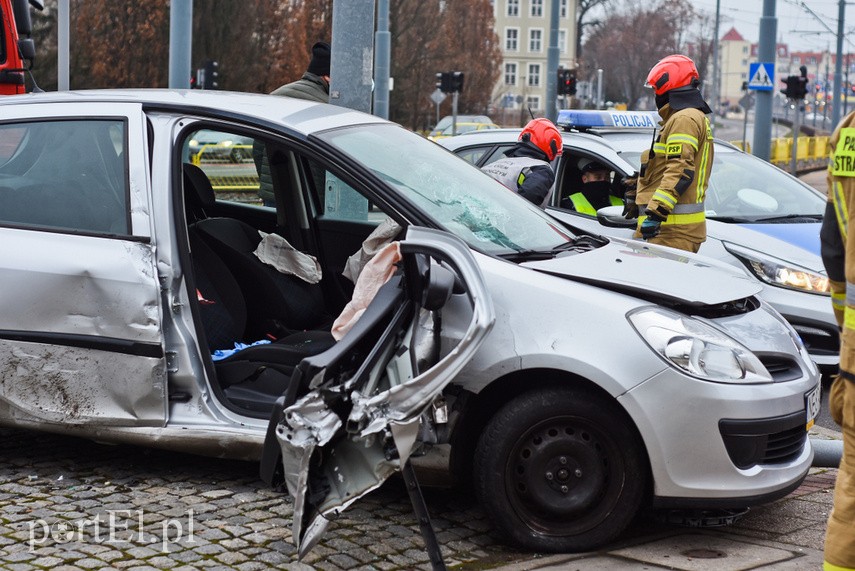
566,82
211,76
450,81
456,81
796,87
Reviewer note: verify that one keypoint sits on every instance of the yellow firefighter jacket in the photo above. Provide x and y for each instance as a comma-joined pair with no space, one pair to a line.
838,256
674,175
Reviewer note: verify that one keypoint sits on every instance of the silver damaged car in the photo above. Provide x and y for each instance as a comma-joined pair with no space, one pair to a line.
570,379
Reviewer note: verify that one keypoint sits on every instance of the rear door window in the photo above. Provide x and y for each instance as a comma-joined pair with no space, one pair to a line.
67,175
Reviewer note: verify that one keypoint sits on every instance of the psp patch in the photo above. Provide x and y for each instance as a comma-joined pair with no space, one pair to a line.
673,150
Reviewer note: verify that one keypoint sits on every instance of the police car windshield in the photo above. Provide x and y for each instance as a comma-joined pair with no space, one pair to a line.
465,201
746,189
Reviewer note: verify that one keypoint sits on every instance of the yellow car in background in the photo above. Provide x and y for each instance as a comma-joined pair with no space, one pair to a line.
462,127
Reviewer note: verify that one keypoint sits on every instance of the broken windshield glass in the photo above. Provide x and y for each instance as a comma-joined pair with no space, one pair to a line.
467,202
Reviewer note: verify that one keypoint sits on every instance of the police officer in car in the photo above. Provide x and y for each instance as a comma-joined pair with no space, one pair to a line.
526,167
675,171
595,191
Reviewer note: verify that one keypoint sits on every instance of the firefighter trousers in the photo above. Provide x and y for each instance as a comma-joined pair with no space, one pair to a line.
840,535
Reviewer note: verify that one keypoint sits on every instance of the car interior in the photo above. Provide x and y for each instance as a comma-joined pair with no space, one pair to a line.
569,178
240,299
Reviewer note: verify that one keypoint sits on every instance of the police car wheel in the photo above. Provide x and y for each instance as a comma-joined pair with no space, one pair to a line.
560,470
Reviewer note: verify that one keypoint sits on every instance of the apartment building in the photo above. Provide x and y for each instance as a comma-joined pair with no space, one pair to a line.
523,26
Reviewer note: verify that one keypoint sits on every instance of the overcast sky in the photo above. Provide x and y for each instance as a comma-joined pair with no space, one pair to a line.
793,21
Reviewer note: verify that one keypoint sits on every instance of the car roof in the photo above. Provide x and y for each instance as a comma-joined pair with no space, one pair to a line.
302,116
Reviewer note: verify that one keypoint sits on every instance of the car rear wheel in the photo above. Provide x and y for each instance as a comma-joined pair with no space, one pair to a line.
560,470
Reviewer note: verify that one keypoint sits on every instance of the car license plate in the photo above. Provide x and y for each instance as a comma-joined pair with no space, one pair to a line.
812,406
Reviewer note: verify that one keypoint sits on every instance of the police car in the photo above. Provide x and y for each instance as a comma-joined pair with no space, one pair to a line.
759,218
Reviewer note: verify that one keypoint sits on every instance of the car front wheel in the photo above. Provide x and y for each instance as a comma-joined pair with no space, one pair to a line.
560,470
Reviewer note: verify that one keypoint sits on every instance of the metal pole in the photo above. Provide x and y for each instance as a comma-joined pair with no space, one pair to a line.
745,130
838,65
825,90
715,87
599,89
763,111
454,112
180,43
63,50
382,55
552,63
796,128
351,76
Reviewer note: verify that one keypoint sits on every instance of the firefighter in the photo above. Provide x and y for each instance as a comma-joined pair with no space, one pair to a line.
838,256
526,167
675,170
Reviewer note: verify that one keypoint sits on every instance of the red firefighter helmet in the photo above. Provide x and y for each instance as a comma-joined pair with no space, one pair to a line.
672,72
544,135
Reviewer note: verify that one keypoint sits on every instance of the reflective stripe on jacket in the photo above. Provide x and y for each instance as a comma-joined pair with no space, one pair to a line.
676,173
511,172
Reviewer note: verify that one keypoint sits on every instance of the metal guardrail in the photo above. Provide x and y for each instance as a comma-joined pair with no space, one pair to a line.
811,154
229,168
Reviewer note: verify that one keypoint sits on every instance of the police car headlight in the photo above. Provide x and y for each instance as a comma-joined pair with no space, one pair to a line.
696,348
780,273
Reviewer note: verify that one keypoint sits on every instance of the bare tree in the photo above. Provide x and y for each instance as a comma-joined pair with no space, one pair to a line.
628,43
583,11
430,37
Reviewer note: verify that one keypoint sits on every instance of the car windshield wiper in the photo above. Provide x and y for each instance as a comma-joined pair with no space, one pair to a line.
580,244
732,219
791,217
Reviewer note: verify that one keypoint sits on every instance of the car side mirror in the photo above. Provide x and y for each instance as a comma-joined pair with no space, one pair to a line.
27,49
612,216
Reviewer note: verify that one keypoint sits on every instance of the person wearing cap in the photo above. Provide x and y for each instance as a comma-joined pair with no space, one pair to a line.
672,181
526,167
315,83
595,192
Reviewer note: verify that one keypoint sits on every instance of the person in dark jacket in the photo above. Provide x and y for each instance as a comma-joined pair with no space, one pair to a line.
314,85
526,167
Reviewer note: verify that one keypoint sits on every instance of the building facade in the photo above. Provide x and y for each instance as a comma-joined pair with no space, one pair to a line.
523,27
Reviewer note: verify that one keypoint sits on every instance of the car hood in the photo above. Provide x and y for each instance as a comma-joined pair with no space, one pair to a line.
775,240
653,273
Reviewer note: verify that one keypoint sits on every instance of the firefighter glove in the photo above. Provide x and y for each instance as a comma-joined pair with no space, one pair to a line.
650,227
630,209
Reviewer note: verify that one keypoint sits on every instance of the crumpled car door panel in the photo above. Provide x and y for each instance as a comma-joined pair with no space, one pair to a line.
353,415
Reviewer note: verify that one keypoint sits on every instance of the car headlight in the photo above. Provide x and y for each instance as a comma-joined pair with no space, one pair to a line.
697,348
780,273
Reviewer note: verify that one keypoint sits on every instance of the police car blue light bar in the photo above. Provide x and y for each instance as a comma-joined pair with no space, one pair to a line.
587,119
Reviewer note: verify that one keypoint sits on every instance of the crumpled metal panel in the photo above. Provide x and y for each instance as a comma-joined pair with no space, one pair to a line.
44,383
389,414
61,283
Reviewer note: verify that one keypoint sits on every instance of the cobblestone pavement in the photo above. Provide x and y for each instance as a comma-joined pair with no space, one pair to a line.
217,514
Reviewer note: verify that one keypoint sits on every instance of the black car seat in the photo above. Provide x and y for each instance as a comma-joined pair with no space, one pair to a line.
252,378
277,304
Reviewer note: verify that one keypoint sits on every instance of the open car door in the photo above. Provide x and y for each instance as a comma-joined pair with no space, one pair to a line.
353,415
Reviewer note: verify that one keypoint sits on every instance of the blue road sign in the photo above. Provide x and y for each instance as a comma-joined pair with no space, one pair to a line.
761,76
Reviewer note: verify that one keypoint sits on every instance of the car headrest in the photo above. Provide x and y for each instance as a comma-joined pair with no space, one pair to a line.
197,188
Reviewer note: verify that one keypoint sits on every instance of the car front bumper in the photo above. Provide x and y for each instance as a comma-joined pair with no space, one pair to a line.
725,453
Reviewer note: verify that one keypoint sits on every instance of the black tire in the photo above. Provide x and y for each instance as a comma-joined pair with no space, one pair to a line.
560,470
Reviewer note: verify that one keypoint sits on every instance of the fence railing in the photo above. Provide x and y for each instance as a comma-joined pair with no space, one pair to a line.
811,153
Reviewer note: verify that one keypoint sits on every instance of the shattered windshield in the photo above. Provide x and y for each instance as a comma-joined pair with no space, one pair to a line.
467,202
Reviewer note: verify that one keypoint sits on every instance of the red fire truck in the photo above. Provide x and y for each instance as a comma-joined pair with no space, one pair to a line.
17,48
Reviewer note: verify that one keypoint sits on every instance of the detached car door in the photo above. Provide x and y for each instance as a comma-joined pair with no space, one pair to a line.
80,314
353,415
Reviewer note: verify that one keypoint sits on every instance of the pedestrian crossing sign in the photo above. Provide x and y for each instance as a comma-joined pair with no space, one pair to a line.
760,76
